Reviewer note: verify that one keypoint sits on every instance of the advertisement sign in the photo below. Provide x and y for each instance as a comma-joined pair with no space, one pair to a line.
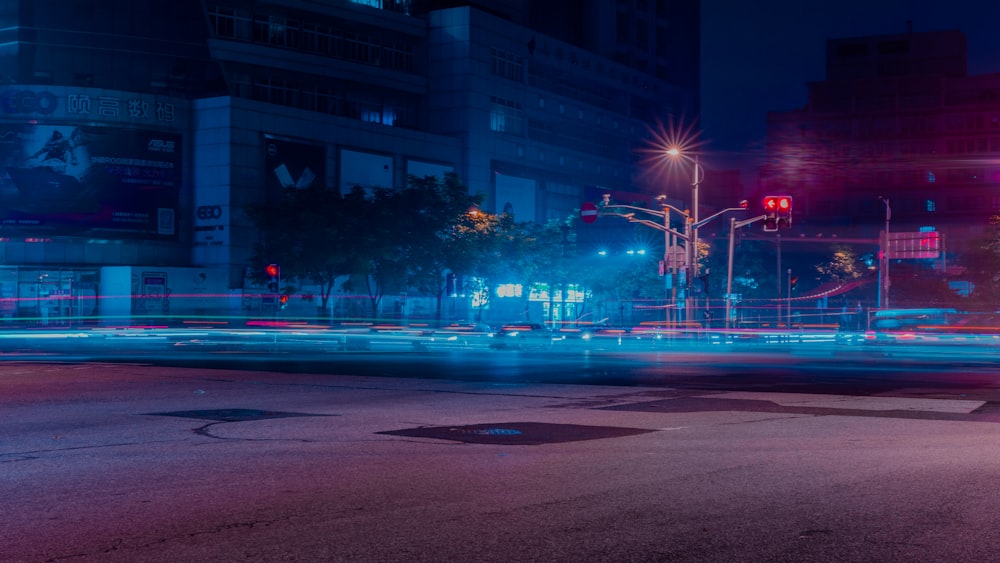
292,164
89,180
914,246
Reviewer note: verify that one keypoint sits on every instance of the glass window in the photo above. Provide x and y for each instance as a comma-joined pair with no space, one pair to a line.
507,65
506,116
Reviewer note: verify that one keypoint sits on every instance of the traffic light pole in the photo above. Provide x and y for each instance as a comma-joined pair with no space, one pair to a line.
883,267
690,226
733,225
628,212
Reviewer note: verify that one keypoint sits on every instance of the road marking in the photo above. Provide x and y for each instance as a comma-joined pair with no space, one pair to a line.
849,402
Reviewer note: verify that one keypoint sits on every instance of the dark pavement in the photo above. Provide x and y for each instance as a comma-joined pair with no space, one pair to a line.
129,462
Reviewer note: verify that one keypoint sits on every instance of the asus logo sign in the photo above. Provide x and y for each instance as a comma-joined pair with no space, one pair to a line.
159,145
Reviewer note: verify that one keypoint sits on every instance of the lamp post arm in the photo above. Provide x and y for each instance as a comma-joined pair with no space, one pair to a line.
705,221
675,210
649,223
745,222
613,209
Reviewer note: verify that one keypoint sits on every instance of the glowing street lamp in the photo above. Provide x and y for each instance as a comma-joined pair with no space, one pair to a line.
699,172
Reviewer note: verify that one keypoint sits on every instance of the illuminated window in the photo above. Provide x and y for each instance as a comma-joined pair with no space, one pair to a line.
930,205
506,116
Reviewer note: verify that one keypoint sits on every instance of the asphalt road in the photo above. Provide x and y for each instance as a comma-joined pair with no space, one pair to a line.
500,456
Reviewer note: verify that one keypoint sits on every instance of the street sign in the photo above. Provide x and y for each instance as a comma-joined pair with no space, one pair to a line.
676,257
918,245
588,212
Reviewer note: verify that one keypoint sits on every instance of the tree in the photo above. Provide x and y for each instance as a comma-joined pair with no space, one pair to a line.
376,256
981,265
753,270
843,266
306,233
917,285
439,231
491,236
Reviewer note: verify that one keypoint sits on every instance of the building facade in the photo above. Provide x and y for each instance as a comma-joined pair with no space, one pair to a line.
897,132
135,133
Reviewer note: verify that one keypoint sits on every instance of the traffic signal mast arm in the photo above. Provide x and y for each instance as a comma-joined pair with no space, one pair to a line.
615,210
740,224
704,222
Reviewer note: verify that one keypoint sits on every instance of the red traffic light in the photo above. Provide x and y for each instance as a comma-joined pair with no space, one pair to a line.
777,212
272,270
777,203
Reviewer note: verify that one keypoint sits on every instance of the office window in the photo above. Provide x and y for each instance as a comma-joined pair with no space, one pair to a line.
276,31
362,48
316,38
506,116
398,57
274,91
322,100
507,65
223,21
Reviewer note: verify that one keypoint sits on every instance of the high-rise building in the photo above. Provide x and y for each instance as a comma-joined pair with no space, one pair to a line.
135,132
897,130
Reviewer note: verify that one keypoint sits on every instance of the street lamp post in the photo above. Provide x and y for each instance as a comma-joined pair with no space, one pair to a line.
883,267
693,219
668,265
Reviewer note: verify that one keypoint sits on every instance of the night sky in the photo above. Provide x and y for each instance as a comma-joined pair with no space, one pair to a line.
757,56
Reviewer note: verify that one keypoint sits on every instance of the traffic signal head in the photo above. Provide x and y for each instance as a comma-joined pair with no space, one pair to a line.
283,300
777,212
273,277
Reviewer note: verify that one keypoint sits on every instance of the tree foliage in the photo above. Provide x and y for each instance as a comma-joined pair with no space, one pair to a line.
379,240
843,265
308,233
981,268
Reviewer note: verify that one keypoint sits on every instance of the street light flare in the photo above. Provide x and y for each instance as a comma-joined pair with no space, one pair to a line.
666,148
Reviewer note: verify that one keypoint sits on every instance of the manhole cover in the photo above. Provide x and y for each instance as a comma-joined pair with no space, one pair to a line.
517,433
491,431
232,415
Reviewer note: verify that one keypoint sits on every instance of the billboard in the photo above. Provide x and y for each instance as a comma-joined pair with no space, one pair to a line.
293,164
364,169
89,180
917,245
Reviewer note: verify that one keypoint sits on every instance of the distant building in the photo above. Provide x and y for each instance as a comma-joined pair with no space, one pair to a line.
132,133
898,117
